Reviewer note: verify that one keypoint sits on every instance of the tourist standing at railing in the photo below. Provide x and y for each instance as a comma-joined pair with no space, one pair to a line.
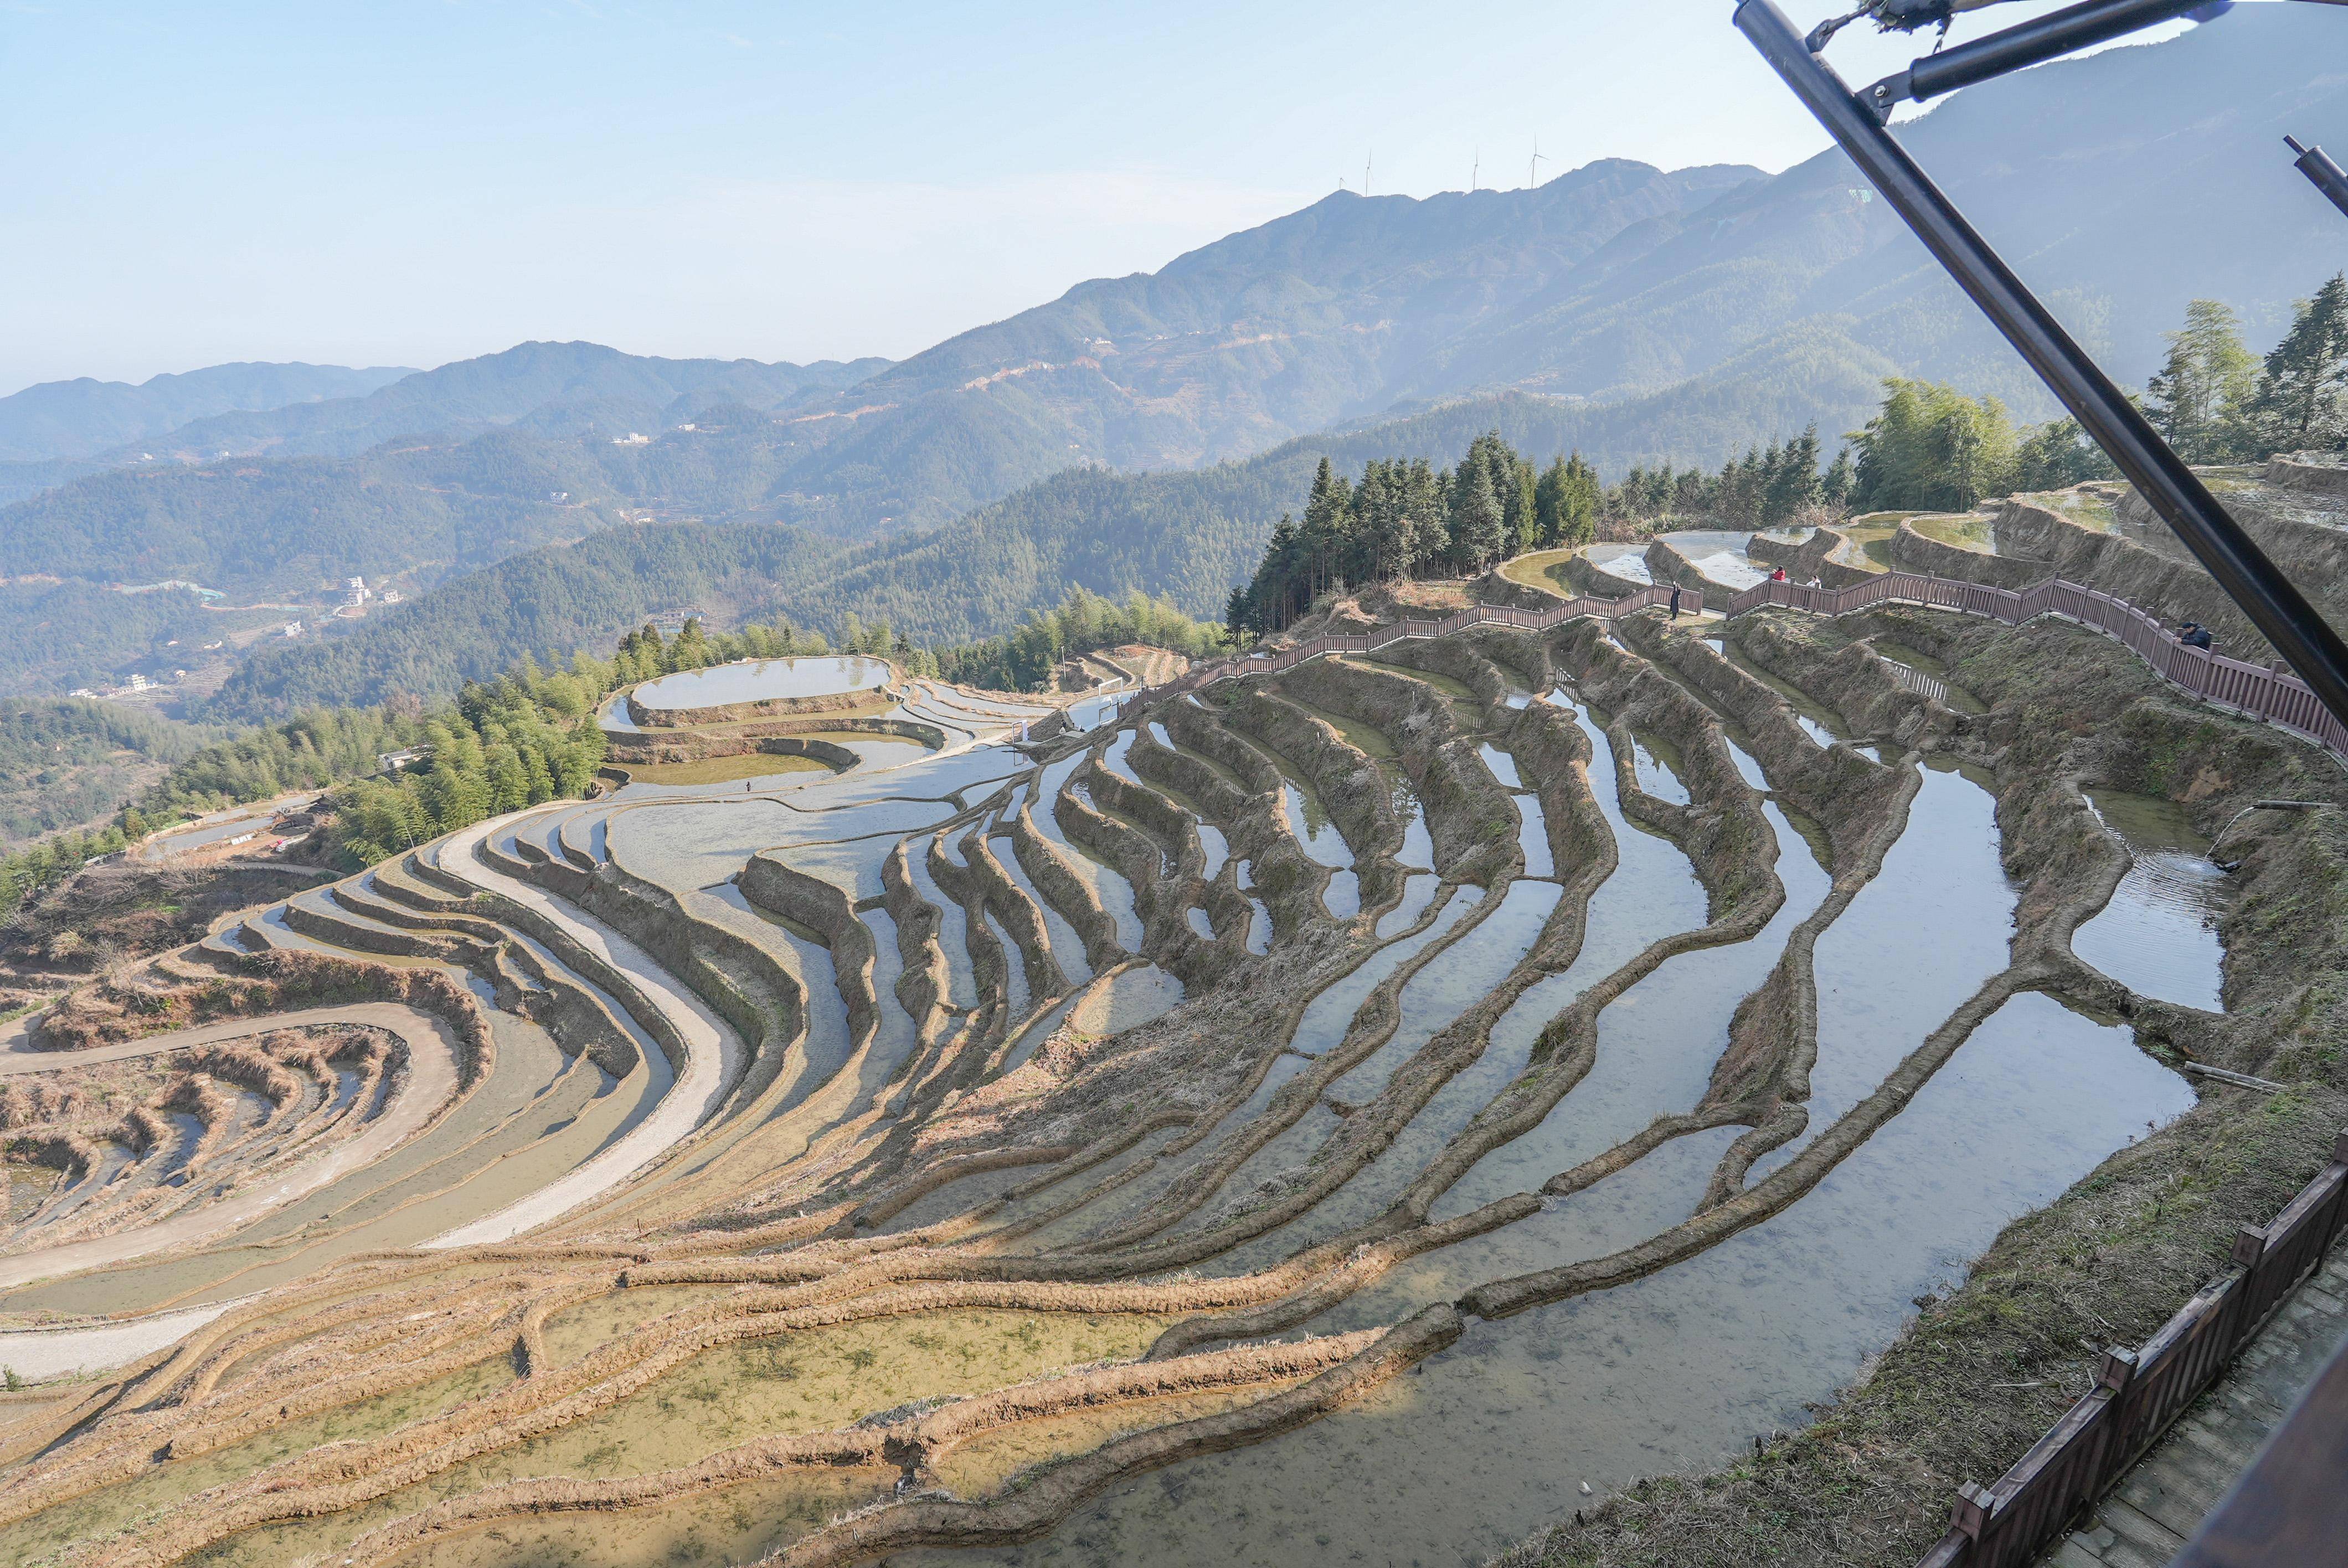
1778,575
1675,603
2193,634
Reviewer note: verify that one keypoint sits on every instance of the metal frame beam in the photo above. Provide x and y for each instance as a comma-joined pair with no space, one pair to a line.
2276,607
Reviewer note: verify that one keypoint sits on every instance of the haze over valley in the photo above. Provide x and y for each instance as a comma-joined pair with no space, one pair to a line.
1548,876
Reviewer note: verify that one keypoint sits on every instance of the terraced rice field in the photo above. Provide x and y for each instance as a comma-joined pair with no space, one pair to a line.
1333,1117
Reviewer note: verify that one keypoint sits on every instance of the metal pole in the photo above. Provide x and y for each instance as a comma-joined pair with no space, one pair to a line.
2252,582
2318,166
2048,37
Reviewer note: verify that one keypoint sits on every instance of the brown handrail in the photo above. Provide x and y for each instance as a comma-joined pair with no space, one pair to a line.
2139,1394
2267,692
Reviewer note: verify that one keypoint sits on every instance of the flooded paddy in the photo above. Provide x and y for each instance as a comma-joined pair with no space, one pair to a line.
1720,554
762,681
886,1064
2158,935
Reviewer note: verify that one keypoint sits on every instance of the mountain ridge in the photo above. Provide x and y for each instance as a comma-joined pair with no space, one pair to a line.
84,417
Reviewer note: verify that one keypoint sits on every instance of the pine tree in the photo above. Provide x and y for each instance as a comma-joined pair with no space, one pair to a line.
2198,397
1792,485
1835,489
2302,402
1328,516
1479,526
1422,498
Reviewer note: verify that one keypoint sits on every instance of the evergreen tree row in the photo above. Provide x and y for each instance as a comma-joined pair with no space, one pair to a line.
1405,519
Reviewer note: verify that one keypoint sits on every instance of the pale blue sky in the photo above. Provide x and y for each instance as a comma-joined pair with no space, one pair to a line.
410,183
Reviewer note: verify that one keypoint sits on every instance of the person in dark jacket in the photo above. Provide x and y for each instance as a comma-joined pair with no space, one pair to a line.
1675,602
2194,635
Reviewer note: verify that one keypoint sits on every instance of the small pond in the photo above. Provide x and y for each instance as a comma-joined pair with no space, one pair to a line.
1719,554
1628,562
763,680
2158,935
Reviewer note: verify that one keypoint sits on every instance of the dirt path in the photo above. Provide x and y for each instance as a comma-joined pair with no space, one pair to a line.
38,1355
430,1079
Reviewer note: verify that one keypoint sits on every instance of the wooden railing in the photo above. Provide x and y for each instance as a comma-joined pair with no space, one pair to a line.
1918,681
2268,691
2138,1395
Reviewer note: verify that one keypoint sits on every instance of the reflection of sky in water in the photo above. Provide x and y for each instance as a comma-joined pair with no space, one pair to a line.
1217,849
1675,1371
1918,939
1628,562
1654,775
1258,941
2158,935
1314,832
1417,846
953,933
1468,970
1532,838
1110,887
762,681
1344,895
1068,947
1658,1041
1718,554
1417,892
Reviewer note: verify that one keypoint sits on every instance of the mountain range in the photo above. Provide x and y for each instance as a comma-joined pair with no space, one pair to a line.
86,417
1638,313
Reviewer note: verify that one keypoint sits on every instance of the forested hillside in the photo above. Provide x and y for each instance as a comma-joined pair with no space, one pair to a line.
68,761
1186,533
609,392
256,528
83,417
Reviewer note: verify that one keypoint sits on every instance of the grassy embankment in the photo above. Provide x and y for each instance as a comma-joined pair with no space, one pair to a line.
1977,1376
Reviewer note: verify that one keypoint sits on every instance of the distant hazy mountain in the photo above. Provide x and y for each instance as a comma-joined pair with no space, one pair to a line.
83,417
1187,533
567,388
1637,314
2122,185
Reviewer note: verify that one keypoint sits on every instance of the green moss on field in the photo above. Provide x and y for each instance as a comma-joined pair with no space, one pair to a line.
1544,569
1966,530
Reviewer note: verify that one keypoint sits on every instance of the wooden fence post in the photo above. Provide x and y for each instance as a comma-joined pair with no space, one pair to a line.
2117,1374
2250,1246
1971,1514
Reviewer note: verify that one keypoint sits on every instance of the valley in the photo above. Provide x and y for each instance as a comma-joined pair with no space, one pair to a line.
1548,876
1136,1136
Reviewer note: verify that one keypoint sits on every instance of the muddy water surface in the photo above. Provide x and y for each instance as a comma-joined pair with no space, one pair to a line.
762,681
1677,1371
2158,935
